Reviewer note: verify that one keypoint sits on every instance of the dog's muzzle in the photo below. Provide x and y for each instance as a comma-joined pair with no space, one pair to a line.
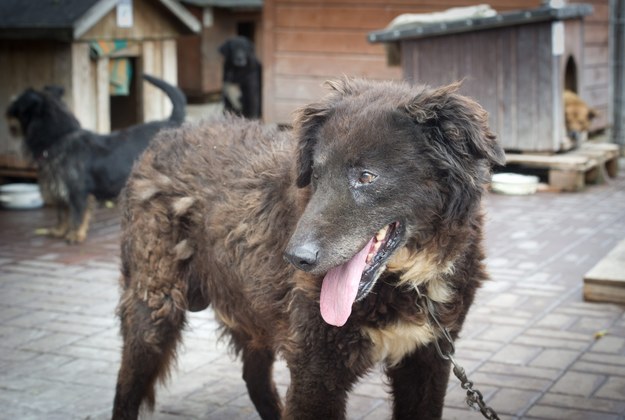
303,257
15,127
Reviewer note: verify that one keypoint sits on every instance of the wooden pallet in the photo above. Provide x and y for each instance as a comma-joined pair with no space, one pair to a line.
605,282
571,171
26,173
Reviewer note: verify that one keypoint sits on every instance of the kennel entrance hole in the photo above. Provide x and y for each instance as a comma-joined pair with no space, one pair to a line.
125,109
570,75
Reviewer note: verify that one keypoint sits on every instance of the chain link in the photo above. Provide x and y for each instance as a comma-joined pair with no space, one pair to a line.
474,399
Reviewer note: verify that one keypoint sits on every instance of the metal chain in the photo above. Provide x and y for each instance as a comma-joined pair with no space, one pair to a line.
474,399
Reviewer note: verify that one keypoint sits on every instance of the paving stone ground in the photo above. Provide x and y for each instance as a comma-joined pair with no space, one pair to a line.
529,343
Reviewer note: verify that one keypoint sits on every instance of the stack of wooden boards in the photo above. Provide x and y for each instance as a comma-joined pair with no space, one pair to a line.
571,171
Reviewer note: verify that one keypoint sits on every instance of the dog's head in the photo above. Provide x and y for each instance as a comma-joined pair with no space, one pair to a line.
55,91
578,116
22,110
386,163
40,111
237,51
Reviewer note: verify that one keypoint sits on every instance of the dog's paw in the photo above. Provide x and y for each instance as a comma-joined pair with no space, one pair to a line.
75,237
42,231
57,232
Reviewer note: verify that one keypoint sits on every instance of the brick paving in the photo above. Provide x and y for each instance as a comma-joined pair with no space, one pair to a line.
529,342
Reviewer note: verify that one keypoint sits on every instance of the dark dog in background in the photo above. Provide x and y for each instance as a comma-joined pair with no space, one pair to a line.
242,78
374,200
75,164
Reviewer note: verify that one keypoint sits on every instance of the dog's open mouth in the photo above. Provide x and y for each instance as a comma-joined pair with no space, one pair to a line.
353,280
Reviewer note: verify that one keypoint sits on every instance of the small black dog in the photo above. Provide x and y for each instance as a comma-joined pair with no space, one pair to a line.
242,78
74,164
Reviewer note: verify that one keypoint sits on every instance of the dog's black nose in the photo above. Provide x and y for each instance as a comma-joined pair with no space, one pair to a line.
303,257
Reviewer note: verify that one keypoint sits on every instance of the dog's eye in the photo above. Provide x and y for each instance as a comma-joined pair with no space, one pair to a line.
366,177
313,173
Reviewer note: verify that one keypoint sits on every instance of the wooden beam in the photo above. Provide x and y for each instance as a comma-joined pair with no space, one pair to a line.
605,282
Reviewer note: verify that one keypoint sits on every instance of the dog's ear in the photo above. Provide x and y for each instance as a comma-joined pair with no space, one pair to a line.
310,118
224,49
30,101
249,46
55,90
457,123
308,121
343,87
592,114
459,140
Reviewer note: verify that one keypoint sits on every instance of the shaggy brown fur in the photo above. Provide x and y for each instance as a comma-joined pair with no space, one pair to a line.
578,117
210,210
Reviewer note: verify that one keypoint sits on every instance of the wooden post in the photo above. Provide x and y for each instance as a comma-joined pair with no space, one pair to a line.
170,71
103,99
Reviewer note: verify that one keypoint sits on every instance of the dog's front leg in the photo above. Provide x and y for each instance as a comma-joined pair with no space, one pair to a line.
257,368
419,383
316,392
62,222
325,363
79,218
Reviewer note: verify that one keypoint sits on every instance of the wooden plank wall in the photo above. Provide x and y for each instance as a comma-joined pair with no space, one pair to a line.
189,57
309,41
158,59
81,93
595,76
28,64
150,20
510,71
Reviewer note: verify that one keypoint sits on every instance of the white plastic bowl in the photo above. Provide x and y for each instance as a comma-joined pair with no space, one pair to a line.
514,184
20,196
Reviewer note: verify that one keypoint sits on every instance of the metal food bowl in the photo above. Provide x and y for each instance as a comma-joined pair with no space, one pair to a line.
514,184
20,196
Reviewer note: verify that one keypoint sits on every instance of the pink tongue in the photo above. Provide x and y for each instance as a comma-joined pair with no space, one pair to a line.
340,287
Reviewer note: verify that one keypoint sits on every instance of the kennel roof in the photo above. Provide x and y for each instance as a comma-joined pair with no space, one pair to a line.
66,20
517,17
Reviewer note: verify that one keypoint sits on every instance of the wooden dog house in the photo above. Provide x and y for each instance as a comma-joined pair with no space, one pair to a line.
72,44
200,65
516,64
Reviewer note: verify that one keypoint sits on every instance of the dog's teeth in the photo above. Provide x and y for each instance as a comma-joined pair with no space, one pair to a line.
381,234
372,252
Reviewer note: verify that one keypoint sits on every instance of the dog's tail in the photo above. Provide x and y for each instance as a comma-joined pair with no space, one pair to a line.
177,98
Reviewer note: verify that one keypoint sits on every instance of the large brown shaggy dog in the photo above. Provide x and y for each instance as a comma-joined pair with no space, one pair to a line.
377,193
